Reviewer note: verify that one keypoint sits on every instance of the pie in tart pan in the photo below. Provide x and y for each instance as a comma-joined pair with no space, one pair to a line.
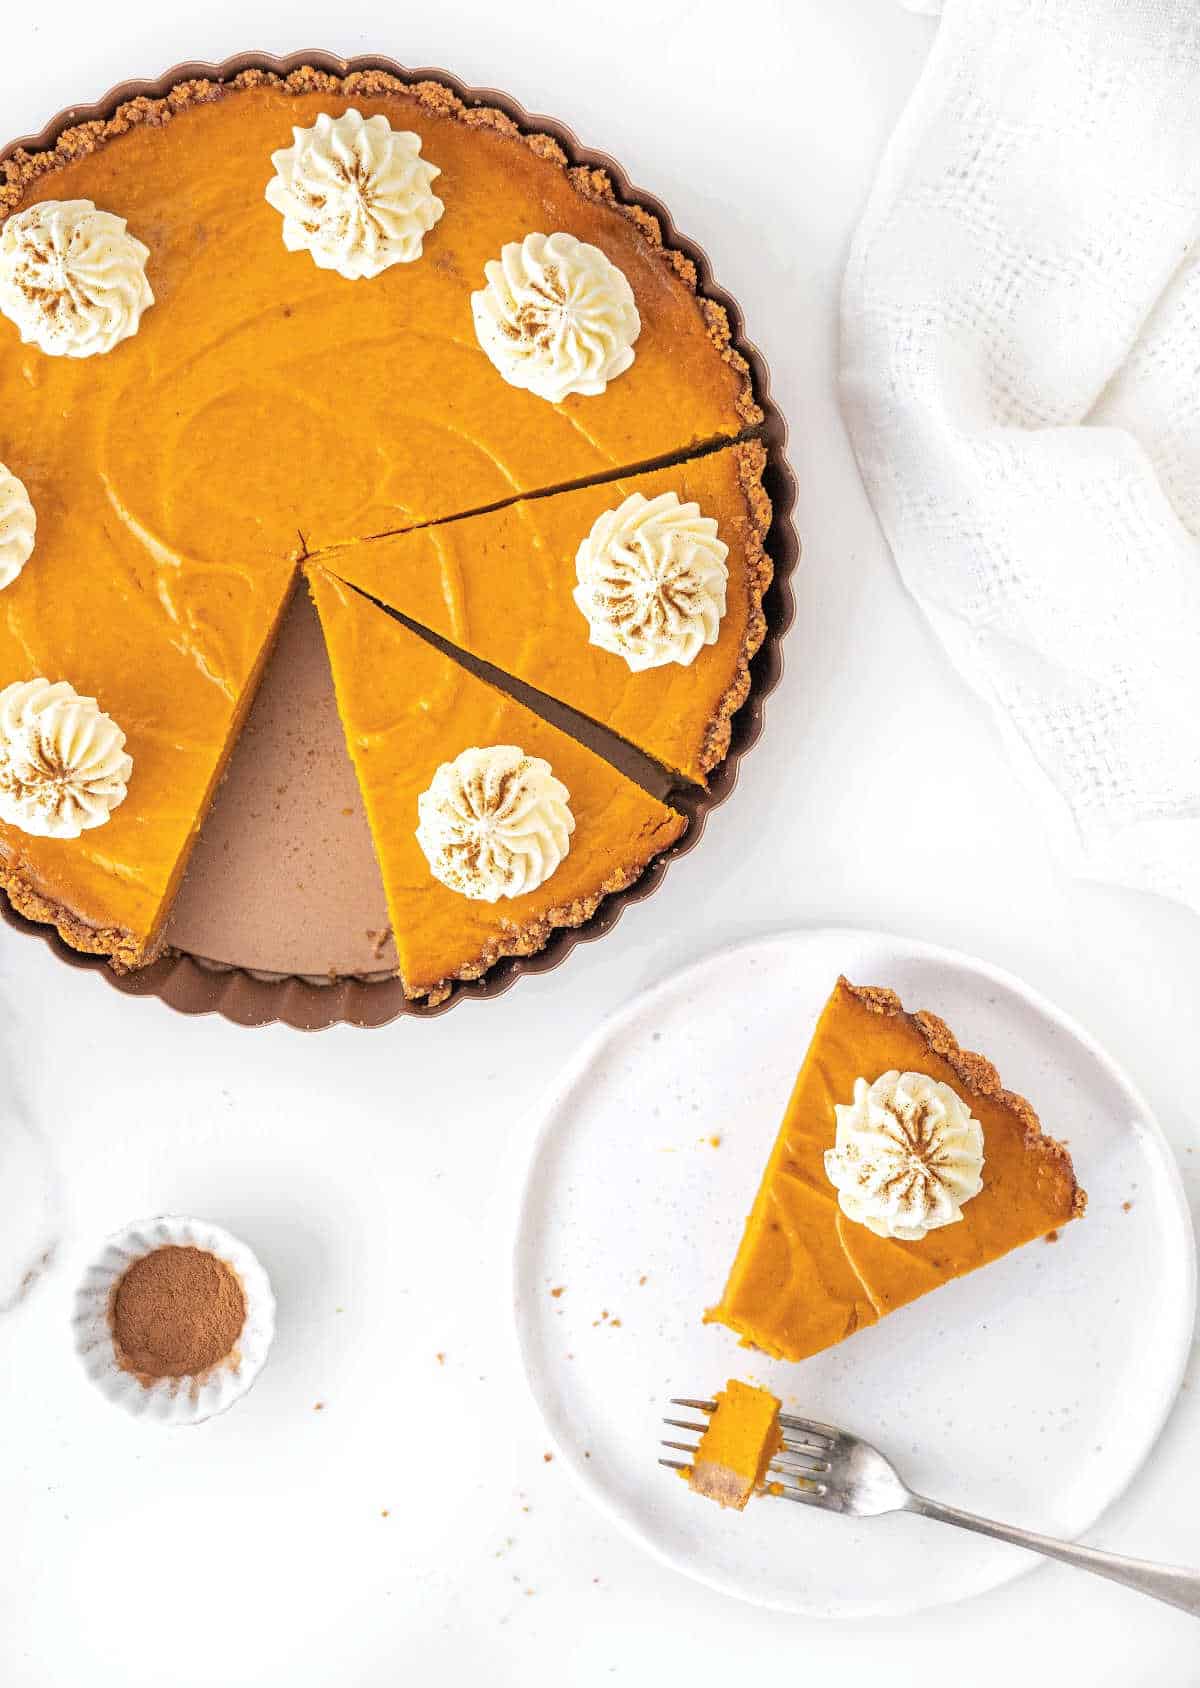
446,371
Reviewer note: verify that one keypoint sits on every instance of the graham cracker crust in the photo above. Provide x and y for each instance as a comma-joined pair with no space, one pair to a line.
977,1074
123,951
751,458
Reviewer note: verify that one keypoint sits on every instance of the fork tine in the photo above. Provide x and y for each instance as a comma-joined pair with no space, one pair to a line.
806,1497
805,1450
700,1406
810,1427
683,1447
801,1487
685,1424
807,1478
802,1464
674,1464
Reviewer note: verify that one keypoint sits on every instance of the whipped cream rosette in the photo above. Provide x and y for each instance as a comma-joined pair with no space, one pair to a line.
494,822
908,1154
652,581
63,763
18,527
355,194
72,278
556,317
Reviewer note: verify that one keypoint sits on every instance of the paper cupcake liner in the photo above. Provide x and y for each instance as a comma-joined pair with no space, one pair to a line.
171,1400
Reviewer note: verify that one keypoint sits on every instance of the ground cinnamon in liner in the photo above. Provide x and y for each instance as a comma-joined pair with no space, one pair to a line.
176,1312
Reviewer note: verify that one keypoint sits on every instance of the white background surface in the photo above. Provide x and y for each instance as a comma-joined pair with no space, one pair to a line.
376,1173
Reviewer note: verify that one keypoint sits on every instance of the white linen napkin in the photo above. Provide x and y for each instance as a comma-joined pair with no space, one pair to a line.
1021,380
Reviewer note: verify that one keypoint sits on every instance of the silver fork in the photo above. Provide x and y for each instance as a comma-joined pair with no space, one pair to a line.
819,1465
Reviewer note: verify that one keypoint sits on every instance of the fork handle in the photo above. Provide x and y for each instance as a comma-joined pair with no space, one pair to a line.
1170,1583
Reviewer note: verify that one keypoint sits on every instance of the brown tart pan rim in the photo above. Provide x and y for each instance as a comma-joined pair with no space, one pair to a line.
190,985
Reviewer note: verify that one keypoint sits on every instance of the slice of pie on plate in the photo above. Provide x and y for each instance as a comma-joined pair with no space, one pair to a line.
491,826
637,602
902,1163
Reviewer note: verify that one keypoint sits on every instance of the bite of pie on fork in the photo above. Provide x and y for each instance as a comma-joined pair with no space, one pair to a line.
818,1465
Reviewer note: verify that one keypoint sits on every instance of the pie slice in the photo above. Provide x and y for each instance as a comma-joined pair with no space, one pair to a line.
742,1439
506,587
172,655
421,731
874,1193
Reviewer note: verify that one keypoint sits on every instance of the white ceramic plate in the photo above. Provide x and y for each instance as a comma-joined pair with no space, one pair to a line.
1029,1391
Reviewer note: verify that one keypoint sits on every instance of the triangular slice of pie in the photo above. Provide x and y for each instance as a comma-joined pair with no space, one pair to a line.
638,602
491,826
902,1164
160,656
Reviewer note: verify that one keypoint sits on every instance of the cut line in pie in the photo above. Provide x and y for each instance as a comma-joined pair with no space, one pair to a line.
469,580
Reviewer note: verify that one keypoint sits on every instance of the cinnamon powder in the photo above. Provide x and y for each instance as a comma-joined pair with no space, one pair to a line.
176,1312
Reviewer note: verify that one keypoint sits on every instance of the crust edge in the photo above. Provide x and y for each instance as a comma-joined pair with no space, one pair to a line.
536,934
123,951
977,1074
751,456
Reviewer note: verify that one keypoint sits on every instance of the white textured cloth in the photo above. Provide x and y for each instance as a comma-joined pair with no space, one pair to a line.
1021,379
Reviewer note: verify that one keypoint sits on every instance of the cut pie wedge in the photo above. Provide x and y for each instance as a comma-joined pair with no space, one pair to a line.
173,656
807,1274
505,586
409,713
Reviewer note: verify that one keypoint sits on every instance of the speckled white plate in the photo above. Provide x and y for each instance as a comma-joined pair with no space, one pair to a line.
1029,1391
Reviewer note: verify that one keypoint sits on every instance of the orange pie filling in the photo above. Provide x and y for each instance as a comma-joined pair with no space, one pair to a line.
901,1164
742,1438
254,321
